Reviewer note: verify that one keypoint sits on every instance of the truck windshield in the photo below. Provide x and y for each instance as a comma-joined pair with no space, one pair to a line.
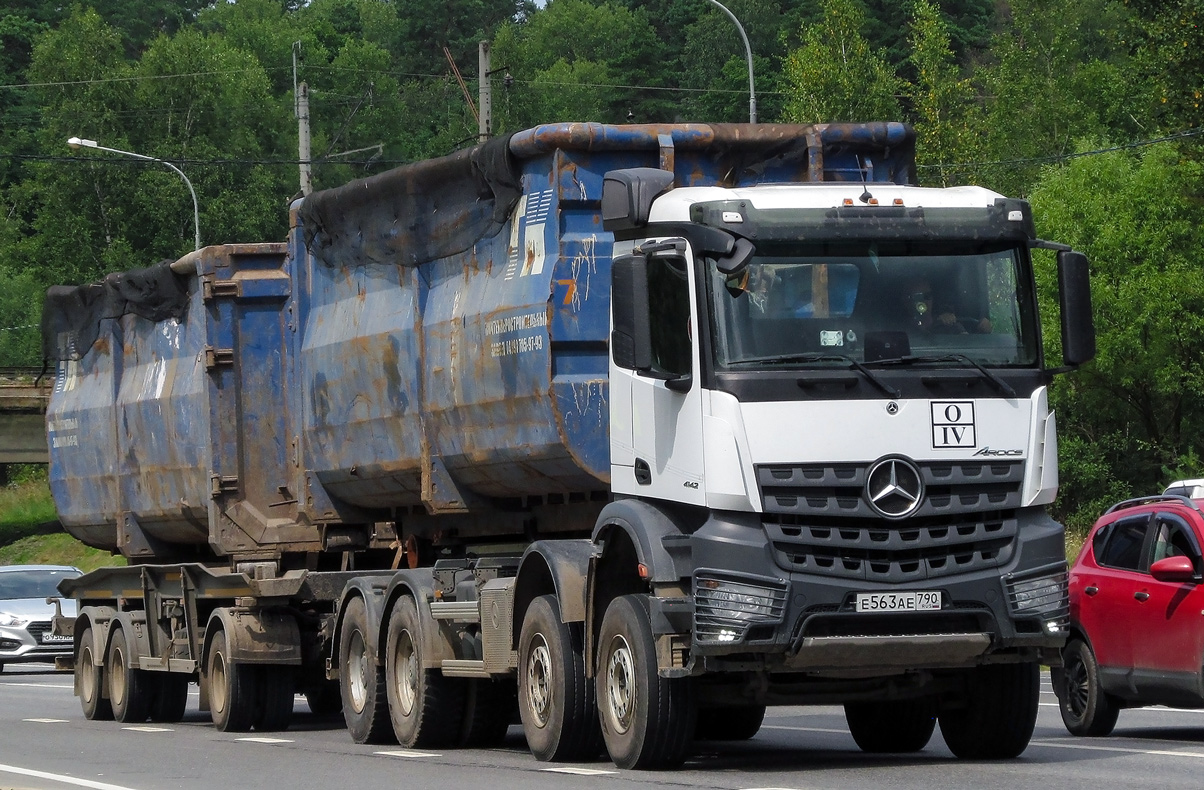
809,306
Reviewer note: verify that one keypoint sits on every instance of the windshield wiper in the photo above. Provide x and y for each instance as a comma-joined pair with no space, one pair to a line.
997,383
820,357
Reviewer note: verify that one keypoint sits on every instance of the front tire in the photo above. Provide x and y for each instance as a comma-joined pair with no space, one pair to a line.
898,726
1086,708
129,688
1000,712
361,680
426,709
555,701
647,721
90,679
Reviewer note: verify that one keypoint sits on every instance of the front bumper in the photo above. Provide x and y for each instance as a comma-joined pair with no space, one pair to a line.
749,608
28,643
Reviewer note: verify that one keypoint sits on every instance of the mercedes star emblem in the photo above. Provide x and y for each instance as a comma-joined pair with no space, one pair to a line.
894,487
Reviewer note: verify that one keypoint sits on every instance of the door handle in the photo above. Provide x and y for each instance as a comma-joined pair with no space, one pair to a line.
1142,596
1091,590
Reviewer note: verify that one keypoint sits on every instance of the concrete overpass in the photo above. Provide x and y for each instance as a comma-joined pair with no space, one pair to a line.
23,418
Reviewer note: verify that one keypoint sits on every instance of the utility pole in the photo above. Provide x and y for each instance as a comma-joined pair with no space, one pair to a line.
484,93
303,152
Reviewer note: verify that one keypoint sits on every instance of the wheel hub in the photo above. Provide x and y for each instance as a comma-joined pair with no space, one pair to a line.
539,674
357,670
407,673
620,684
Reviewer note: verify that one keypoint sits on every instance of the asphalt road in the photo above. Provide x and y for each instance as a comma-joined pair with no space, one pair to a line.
46,744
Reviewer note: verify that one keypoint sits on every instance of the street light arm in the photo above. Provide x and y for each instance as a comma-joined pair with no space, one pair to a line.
752,95
76,142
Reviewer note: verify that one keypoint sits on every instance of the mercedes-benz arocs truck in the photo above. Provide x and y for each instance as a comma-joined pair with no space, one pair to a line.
623,432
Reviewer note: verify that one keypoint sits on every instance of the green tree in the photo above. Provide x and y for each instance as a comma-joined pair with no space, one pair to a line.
942,103
835,75
1139,407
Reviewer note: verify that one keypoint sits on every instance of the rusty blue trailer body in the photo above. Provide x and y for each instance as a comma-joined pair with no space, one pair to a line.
433,338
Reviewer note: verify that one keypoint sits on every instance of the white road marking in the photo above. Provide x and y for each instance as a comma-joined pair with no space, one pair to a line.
264,739
1120,749
802,729
146,728
48,721
578,771
40,685
70,780
408,753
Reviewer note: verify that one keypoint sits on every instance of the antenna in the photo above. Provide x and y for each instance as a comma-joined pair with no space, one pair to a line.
865,197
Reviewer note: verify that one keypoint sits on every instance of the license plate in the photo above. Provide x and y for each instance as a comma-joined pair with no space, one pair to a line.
898,602
53,639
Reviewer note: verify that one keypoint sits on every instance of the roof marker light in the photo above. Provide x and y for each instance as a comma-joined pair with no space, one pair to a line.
847,202
898,201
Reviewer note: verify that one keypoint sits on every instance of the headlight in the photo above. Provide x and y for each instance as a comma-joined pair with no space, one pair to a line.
725,608
1047,595
12,620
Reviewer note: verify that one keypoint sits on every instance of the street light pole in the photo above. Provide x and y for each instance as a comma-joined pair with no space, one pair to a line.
76,143
752,95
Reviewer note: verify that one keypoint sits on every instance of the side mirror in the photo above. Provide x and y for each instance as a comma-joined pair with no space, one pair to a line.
735,261
631,335
1174,569
1078,327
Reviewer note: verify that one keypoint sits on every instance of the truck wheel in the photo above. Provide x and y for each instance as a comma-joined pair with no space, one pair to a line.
895,726
89,679
231,688
647,721
170,698
426,708
1000,712
361,680
489,707
555,702
129,688
277,692
1086,708
732,723
325,698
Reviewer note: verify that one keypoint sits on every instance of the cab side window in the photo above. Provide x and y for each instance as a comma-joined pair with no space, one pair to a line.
669,300
1123,544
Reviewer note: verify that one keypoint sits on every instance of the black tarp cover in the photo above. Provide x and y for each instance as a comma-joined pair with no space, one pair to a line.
72,314
415,213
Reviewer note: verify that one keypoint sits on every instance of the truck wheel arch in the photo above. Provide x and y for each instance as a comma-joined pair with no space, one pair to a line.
418,584
552,567
255,637
661,544
374,603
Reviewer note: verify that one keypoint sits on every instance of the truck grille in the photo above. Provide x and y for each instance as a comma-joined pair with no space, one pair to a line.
838,490
882,552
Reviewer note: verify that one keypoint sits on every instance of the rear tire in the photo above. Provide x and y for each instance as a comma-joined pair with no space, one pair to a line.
734,723
325,699
489,707
647,721
170,699
129,688
898,726
90,680
1086,708
231,688
999,715
277,693
426,709
362,692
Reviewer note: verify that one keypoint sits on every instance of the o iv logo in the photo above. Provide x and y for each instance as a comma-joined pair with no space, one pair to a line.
953,424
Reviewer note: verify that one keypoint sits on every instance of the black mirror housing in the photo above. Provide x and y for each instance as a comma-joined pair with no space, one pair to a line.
631,336
1078,326
627,196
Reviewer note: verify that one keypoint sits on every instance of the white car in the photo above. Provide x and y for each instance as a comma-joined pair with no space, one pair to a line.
1192,489
25,616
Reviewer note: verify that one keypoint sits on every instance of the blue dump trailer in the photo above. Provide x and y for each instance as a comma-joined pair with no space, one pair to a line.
628,430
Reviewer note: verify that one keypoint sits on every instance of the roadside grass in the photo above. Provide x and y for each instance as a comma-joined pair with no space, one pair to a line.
30,532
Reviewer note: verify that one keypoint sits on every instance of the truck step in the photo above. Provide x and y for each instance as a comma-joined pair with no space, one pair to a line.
464,668
456,611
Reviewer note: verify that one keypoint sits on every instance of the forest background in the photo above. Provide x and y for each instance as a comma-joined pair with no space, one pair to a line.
1088,108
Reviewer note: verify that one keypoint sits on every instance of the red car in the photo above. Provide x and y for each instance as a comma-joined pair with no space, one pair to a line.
1137,614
